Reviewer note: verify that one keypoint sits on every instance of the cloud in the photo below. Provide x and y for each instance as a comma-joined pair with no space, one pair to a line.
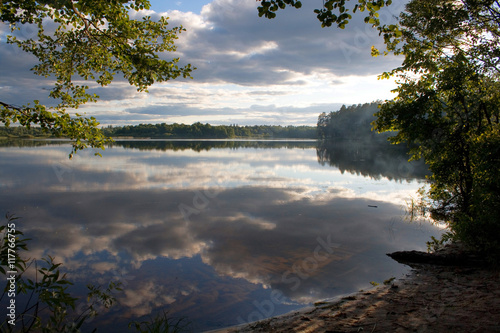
231,44
242,60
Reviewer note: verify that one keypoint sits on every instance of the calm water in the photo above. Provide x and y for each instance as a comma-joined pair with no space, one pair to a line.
217,232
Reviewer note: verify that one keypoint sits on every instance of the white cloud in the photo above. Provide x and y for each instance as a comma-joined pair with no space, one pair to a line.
243,61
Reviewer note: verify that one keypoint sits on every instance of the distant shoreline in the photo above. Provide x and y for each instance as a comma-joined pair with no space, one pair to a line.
171,139
215,140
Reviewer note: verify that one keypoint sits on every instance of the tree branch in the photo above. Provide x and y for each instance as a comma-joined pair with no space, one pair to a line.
11,106
80,15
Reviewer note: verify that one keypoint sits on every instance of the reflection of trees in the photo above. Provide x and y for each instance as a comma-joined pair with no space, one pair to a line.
206,145
20,143
375,160
370,160
164,145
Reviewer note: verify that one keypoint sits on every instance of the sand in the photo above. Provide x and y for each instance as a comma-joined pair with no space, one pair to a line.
431,298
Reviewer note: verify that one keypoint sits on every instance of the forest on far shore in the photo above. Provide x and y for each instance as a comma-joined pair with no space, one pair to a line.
181,131
207,131
351,123
348,123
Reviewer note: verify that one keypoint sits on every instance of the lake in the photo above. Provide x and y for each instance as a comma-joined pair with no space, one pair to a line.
217,232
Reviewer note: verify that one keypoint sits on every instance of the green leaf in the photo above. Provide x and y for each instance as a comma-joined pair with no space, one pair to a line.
81,48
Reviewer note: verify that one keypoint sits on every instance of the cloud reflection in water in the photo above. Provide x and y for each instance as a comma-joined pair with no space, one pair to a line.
208,234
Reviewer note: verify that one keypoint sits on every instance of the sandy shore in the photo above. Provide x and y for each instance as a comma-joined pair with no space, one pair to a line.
432,298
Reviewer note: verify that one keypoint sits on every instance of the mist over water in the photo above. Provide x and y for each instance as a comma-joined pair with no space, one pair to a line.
219,232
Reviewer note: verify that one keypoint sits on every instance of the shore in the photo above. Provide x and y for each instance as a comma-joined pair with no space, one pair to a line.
453,297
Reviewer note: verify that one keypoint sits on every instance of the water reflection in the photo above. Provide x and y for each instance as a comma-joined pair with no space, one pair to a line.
218,235
199,145
377,160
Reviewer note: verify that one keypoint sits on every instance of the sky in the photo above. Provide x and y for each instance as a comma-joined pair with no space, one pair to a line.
250,70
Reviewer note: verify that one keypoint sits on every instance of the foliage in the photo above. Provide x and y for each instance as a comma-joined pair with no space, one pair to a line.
436,244
176,131
93,40
389,280
352,123
161,323
207,131
22,132
42,303
332,12
448,105
348,142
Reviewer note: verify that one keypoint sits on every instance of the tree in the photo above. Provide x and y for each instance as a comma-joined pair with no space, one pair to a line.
350,123
94,40
447,104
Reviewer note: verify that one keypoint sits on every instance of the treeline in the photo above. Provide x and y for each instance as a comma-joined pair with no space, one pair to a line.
350,123
207,131
22,132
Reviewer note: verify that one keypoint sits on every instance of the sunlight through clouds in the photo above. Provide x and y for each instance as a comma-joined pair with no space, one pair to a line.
304,69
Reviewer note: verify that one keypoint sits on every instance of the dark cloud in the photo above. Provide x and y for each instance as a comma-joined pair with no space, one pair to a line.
230,46
18,84
268,93
239,47
267,114
177,110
